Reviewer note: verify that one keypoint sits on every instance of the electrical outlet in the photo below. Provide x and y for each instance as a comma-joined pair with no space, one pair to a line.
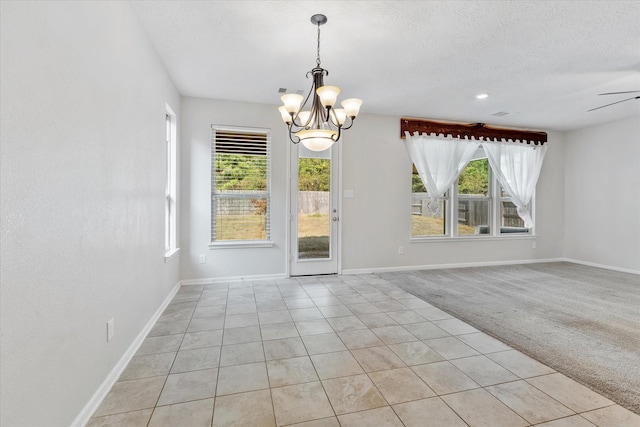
533,245
203,259
400,250
110,329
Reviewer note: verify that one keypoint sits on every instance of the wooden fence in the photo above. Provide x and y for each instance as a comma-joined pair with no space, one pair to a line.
309,202
472,212
314,202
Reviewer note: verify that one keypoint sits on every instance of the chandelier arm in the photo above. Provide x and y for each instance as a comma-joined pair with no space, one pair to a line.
318,112
333,118
339,134
353,119
291,135
313,113
294,130
318,81
316,117
297,114
294,123
318,108
336,123
309,94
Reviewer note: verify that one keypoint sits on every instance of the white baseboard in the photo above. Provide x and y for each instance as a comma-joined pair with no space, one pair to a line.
441,266
83,418
371,270
213,280
482,264
606,267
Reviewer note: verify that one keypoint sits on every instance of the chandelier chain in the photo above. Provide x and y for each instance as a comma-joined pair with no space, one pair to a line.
318,56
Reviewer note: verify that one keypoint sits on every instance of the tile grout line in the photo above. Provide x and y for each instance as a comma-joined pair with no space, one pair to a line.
306,288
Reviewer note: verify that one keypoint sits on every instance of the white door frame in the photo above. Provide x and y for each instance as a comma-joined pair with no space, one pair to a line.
312,267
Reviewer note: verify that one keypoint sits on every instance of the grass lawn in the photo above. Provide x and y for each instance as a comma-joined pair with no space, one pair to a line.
251,227
429,226
313,225
240,227
313,236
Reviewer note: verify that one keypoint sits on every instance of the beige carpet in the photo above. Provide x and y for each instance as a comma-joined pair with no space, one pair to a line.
581,321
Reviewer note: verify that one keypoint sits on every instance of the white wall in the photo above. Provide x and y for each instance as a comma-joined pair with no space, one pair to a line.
377,220
198,116
602,195
83,181
374,222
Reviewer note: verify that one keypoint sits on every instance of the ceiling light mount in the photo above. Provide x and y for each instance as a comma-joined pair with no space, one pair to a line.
318,19
320,126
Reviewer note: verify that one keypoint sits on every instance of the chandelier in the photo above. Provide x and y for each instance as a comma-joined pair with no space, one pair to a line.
321,125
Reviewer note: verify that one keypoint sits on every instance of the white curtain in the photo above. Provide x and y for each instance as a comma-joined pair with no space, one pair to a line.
517,167
439,161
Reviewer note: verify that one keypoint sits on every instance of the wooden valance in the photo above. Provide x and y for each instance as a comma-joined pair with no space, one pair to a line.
478,131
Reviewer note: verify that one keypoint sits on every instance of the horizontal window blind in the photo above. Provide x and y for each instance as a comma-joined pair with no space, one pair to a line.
240,182
249,143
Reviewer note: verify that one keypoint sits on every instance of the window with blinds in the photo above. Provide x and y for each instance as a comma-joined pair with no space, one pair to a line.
240,184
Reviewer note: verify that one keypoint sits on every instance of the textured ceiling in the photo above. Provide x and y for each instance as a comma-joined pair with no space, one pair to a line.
543,61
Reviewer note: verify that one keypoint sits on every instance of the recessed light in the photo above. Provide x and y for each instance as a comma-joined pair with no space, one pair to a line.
482,96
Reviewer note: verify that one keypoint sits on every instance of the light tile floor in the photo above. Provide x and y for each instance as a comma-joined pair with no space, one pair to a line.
332,351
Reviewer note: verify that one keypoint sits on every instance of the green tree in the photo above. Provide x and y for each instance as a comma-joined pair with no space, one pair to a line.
314,174
416,184
474,179
241,172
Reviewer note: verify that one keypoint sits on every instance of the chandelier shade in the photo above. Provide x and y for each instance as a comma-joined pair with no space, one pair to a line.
321,124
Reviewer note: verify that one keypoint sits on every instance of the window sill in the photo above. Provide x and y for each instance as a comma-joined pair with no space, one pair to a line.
471,238
241,244
170,254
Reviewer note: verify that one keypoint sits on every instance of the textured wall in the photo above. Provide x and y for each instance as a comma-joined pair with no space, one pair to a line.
602,203
83,181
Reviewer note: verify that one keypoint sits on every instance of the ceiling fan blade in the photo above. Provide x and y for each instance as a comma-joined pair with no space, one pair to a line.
613,103
617,93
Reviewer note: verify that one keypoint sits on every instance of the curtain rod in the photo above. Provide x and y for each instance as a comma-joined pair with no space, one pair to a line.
479,131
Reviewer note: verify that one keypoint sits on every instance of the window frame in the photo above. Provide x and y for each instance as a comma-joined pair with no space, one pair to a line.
450,214
247,243
171,186
488,198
